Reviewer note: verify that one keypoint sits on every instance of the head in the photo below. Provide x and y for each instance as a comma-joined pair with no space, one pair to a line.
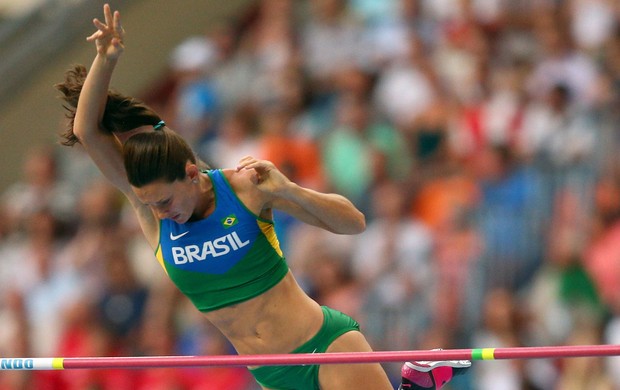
159,163
40,167
163,172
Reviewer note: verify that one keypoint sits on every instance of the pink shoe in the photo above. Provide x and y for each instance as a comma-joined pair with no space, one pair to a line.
426,375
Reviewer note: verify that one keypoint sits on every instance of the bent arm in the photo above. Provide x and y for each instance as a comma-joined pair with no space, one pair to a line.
331,212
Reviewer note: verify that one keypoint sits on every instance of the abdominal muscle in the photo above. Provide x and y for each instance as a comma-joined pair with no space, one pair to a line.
277,321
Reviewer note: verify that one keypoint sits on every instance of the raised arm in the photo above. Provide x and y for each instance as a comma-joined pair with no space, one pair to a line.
331,212
101,145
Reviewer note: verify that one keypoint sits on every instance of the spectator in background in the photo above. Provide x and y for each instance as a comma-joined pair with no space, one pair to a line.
40,188
98,218
393,258
362,150
387,26
560,138
603,247
500,327
84,335
332,282
557,133
294,96
47,282
405,86
585,372
14,338
123,299
460,57
309,240
427,138
195,100
591,23
273,43
495,117
236,69
459,283
445,192
299,157
332,39
237,138
505,215
559,62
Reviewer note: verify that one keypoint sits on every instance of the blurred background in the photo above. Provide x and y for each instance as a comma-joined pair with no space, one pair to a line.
479,137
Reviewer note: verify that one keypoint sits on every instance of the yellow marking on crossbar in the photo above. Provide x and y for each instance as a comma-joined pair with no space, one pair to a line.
58,363
488,353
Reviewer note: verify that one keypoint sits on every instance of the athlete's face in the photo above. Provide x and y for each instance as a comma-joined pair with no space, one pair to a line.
168,200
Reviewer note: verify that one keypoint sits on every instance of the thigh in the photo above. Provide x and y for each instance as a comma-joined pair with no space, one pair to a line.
352,376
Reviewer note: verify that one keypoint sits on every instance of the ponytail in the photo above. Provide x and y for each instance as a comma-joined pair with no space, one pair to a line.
122,113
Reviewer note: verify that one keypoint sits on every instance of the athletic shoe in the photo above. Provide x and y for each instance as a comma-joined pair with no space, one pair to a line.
427,375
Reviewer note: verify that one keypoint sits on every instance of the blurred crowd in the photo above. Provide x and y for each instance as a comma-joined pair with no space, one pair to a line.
479,138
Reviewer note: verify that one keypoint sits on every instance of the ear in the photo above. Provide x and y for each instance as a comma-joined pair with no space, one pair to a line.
192,171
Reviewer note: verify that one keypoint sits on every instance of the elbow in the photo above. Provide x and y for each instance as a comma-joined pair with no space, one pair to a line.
78,131
360,225
87,134
69,138
356,224
77,135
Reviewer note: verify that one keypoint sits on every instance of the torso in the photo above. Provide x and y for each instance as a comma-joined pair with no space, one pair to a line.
268,312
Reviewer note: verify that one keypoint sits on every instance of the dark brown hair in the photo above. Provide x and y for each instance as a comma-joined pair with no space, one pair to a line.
122,113
156,155
150,156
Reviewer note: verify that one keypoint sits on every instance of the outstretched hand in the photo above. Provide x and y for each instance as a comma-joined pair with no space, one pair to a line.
109,35
267,177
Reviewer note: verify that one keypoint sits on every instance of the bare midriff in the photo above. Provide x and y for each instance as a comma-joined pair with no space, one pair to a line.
277,321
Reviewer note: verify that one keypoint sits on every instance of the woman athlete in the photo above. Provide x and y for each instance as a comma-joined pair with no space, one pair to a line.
212,230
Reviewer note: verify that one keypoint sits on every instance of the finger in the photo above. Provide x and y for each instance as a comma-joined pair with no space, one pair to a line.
240,166
244,161
118,28
107,13
99,25
247,165
93,36
256,164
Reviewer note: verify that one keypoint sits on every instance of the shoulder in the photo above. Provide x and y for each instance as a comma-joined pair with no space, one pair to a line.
238,180
243,184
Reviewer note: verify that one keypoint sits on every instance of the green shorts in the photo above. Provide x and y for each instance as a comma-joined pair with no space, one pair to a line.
335,324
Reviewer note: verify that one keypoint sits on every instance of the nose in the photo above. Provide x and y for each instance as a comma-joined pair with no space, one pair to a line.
162,212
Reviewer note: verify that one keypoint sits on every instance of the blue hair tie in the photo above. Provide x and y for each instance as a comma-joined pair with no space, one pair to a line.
159,125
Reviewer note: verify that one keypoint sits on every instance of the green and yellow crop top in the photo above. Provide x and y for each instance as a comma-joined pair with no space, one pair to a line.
229,257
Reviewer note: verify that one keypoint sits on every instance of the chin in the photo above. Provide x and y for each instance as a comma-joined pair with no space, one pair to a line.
179,219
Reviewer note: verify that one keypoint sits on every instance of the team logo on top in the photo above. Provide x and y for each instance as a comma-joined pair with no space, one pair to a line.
215,248
229,221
